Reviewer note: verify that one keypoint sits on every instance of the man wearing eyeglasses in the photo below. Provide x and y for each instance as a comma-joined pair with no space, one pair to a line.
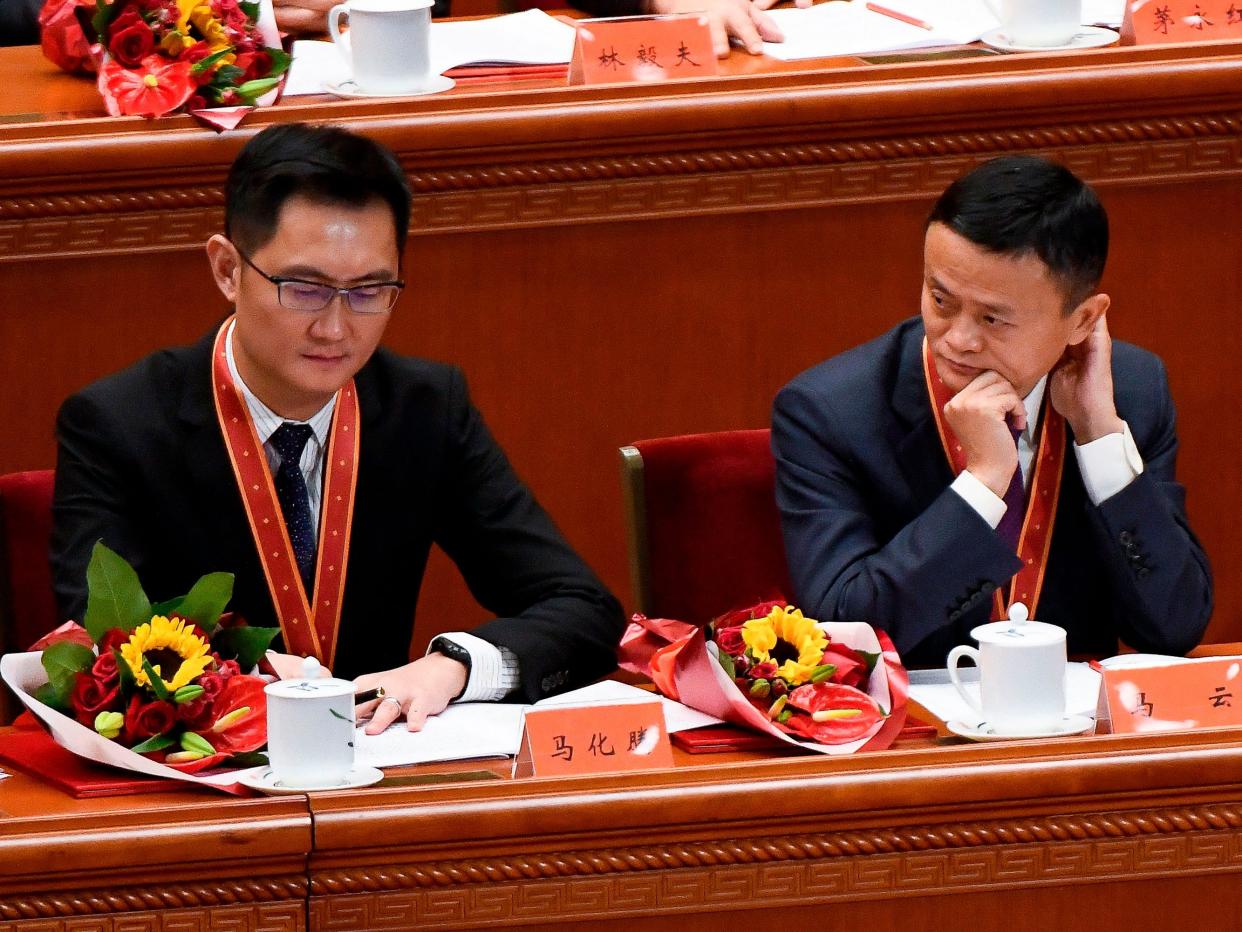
288,448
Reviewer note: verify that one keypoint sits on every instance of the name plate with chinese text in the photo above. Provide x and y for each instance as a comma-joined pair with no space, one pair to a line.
1157,22
1177,697
642,48
579,739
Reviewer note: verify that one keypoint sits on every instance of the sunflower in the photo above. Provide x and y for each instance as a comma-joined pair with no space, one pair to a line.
175,653
784,637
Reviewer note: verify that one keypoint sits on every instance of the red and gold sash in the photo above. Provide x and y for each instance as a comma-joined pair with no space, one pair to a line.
309,628
1035,541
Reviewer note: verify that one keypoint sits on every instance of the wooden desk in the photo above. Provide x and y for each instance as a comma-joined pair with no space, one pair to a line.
1077,834
635,261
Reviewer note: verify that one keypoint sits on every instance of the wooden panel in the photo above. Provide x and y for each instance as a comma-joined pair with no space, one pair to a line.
610,264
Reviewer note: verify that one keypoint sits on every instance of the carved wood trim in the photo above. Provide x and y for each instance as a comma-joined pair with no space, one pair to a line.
626,187
1136,825
801,869
197,896
274,918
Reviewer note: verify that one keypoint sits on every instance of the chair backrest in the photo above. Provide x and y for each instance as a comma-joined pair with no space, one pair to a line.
27,603
704,532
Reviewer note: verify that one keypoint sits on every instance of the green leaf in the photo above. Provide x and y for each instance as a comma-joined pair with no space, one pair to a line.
243,643
169,607
249,759
280,62
727,662
250,9
870,659
206,601
49,697
127,675
210,60
63,661
157,684
154,743
227,76
114,596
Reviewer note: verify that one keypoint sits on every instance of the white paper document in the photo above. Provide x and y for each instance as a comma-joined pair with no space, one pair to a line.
848,27
933,690
531,37
493,729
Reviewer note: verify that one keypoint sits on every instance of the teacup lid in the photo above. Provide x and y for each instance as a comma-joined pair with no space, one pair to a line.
1031,633
388,6
310,684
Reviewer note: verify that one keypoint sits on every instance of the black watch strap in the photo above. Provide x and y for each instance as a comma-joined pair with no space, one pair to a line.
454,651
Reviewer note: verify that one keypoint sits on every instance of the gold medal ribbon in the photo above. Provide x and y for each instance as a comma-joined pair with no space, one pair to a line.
309,626
1035,541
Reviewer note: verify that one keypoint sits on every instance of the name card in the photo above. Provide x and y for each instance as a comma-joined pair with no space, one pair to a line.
1178,697
579,739
1155,22
642,48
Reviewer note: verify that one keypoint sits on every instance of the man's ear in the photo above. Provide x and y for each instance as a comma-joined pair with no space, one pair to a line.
225,266
1084,317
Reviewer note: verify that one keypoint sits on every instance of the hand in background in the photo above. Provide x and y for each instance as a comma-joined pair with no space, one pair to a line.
740,19
303,17
978,415
417,691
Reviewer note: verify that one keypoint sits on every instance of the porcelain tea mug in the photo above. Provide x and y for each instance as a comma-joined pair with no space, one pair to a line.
386,45
1021,675
1038,22
310,730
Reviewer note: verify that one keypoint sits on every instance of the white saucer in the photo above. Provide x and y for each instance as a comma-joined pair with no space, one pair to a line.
352,91
1070,725
263,781
1088,37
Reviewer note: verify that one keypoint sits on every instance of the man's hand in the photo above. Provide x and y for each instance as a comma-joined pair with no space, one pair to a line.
417,690
1082,386
302,17
741,19
977,415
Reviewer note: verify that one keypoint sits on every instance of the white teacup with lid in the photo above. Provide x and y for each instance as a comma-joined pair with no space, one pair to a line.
310,729
387,45
1021,674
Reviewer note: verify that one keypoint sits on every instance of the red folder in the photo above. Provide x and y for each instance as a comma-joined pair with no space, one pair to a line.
717,739
36,753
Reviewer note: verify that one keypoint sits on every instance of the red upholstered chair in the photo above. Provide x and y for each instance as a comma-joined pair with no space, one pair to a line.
27,604
704,532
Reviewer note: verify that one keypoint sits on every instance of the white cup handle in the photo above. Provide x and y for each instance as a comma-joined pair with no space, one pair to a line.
340,39
955,655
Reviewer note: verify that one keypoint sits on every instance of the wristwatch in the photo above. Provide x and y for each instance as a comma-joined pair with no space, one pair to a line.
454,651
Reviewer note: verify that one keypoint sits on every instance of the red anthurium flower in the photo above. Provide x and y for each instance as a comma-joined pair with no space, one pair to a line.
154,88
857,713
238,733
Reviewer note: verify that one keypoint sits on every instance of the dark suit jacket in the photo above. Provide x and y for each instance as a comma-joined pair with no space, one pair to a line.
19,22
874,533
142,465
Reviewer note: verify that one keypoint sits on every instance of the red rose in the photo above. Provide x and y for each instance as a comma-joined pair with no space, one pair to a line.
742,615
90,697
144,720
104,669
197,714
228,668
197,102
851,665
730,641
112,639
763,671
195,53
132,43
212,683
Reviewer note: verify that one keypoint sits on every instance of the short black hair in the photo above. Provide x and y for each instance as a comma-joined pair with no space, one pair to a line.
1022,204
322,163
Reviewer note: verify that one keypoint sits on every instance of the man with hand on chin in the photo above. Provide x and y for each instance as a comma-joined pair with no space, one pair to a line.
289,448
1001,448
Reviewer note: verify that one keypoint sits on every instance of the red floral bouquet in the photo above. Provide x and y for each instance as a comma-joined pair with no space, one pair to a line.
156,57
164,681
835,687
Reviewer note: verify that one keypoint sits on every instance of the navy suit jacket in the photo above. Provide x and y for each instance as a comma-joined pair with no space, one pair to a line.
874,533
142,466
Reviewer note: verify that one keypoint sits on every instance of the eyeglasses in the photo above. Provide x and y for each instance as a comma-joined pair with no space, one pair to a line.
300,295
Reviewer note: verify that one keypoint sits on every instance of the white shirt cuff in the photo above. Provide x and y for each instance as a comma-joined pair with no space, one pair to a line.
989,506
493,670
1108,464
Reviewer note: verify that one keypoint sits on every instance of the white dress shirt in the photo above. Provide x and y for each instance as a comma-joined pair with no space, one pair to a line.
494,670
1108,464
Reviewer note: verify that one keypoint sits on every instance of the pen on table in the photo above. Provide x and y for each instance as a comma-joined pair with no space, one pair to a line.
368,694
901,17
